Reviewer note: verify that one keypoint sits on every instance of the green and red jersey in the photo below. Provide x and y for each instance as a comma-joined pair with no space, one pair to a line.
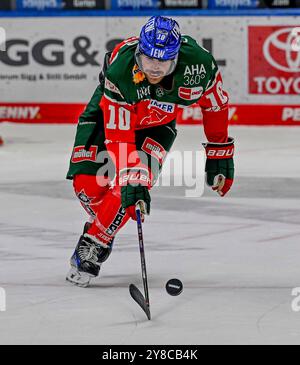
130,102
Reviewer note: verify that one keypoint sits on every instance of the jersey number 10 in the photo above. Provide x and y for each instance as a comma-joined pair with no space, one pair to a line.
119,119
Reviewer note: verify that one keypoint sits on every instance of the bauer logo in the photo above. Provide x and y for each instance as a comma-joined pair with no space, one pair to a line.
274,60
116,222
2,300
2,40
219,153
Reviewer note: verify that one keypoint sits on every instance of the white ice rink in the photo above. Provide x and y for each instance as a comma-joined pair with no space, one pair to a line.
238,257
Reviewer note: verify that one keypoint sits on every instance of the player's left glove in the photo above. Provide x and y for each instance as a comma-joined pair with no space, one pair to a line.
135,185
219,166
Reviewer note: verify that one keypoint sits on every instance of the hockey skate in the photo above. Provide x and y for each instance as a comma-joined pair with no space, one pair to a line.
87,260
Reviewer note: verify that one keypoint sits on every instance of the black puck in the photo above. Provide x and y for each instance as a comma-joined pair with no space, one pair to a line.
174,287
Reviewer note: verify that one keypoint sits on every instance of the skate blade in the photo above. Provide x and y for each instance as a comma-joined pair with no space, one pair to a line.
78,278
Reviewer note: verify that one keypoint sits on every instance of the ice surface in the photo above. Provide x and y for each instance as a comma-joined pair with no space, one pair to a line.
238,257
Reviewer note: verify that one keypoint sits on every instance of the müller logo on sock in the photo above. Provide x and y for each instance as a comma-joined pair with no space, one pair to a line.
2,300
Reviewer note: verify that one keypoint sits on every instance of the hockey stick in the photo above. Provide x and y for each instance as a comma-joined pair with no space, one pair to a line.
142,301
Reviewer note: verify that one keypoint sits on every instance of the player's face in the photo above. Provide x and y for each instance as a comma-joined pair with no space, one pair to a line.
155,69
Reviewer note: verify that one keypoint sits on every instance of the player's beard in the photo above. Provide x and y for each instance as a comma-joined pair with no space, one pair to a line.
154,77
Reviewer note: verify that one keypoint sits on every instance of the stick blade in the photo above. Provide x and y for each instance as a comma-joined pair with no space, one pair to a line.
139,298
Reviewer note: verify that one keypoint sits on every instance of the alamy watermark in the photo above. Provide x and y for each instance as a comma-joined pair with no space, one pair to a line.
2,40
2,300
184,169
296,301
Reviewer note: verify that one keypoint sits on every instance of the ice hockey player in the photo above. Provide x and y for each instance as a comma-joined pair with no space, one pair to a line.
145,82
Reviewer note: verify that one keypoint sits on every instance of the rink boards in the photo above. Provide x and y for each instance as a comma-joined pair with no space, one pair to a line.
50,66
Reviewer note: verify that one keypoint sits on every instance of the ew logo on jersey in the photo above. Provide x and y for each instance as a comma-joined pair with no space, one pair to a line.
165,107
154,149
80,154
190,93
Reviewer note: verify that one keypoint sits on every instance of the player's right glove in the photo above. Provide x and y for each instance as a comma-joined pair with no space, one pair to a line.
219,165
135,185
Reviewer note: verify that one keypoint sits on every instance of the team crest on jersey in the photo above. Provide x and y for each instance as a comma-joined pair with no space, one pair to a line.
81,154
190,93
138,75
159,92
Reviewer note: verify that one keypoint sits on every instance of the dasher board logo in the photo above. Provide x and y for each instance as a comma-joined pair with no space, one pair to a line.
233,4
177,4
38,4
274,60
80,154
9,112
134,4
84,4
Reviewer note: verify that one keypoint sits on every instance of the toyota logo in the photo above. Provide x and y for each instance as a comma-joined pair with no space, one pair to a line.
282,49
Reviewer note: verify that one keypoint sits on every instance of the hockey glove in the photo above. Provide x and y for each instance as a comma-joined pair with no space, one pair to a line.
219,166
135,189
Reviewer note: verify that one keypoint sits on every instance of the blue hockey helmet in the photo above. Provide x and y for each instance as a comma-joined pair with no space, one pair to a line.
159,39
